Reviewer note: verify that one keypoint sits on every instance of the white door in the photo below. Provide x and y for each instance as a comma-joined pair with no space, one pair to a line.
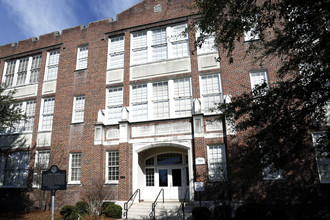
171,180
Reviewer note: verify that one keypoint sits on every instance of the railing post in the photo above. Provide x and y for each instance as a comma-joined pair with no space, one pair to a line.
182,210
163,195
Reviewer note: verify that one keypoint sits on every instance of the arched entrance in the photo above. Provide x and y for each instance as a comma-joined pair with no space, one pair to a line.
164,168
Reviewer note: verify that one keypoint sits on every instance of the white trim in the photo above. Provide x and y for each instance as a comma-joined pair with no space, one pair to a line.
252,81
206,112
81,58
107,181
70,169
41,114
74,109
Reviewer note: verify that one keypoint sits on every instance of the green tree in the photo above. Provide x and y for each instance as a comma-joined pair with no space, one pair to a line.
281,120
9,113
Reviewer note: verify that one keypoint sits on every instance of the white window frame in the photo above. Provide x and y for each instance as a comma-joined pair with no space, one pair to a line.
171,39
4,160
149,101
114,104
209,44
82,57
36,172
49,65
208,93
20,127
77,109
117,52
254,82
70,181
17,71
268,173
43,115
322,159
213,174
107,181
252,34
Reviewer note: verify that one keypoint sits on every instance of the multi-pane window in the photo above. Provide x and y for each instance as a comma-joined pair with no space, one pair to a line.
47,113
78,109
112,167
41,164
75,168
29,112
14,169
35,69
140,102
258,79
82,57
320,141
269,171
159,44
182,96
179,41
150,177
52,64
139,47
116,52
22,71
28,109
216,162
115,104
10,72
208,46
211,91
160,100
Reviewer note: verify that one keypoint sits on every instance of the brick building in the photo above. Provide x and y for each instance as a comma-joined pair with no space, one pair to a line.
125,103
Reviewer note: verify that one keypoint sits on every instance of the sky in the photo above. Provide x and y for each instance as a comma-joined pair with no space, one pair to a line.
23,19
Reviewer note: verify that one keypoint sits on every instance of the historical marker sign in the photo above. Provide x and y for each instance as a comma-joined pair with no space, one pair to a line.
53,179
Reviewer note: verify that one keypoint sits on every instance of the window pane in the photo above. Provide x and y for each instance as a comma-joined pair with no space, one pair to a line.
116,52
75,167
169,158
139,102
150,177
115,105
113,165
182,96
210,91
47,115
160,100
216,162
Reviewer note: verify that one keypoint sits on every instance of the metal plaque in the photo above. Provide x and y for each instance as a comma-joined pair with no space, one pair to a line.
53,179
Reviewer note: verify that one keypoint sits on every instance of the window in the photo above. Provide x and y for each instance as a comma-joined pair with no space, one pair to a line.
35,69
269,172
208,45
150,177
82,57
15,168
47,113
115,104
159,44
182,97
75,168
211,91
161,99
258,79
41,164
22,71
112,175
320,141
169,158
78,109
28,109
139,48
52,65
116,52
216,162
252,32
139,102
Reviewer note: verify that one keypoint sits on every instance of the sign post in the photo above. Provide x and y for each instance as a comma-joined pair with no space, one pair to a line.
52,180
199,187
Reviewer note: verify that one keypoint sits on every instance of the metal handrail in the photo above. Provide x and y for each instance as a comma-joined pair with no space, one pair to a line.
126,208
182,203
153,211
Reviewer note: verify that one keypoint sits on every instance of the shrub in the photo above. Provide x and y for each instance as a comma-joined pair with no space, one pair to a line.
105,205
82,207
201,213
69,212
113,211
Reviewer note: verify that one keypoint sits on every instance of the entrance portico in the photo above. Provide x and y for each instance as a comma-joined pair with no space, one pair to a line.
163,166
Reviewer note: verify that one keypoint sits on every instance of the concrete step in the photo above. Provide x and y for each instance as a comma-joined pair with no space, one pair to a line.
165,211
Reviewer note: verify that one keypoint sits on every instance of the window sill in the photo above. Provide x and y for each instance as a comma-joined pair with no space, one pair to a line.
77,123
112,183
74,183
160,61
80,70
44,131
